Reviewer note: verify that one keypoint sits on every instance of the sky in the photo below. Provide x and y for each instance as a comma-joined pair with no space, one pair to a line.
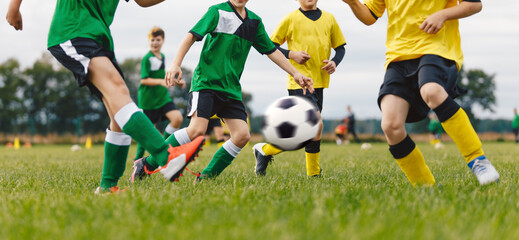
490,41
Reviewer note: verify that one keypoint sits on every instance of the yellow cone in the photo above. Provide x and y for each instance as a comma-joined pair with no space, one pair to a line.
88,143
17,143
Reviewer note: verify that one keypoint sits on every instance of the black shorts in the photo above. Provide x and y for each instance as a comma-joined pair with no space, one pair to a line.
208,103
75,55
213,122
156,115
405,78
316,98
515,130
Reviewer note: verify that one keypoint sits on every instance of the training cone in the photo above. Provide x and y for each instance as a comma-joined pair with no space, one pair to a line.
16,143
88,143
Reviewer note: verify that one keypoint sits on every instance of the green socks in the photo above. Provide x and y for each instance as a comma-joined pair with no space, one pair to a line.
221,159
117,145
139,127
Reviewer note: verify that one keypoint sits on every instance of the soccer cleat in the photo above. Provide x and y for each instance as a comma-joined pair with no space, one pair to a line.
104,191
262,160
179,157
320,174
484,171
141,169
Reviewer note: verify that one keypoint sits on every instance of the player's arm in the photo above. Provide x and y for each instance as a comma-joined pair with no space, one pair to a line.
148,3
153,82
298,56
434,22
13,16
174,74
331,65
305,82
361,11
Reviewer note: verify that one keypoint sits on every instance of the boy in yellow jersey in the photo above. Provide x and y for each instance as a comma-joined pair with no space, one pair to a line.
310,34
422,62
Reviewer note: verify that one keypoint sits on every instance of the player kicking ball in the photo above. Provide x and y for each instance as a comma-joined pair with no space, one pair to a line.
310,34
230,30
80,39
422,62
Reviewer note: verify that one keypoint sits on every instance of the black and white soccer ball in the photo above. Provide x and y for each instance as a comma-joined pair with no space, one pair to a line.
290,123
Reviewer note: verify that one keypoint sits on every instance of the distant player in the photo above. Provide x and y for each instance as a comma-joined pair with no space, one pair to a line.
231,30
310,34
351,124
153,96
80,39
435,128
422,62
515,125
340,133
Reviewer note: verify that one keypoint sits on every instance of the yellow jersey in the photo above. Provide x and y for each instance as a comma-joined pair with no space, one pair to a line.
317,38
405,40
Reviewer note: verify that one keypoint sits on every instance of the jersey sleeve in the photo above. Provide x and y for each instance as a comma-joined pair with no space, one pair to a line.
377,7
262,42
337,36
145,67
279,35
206,24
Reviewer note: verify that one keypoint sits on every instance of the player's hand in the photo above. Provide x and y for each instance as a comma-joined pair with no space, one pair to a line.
173,75
14,18
433,23
304,82
181,84
329,66
299,56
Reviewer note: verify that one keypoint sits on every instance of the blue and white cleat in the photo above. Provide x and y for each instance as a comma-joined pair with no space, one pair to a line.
484,171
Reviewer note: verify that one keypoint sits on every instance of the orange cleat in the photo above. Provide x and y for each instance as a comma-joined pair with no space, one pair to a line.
180,157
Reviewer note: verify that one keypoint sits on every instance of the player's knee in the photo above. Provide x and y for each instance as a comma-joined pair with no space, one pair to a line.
433,94
391,127
241,137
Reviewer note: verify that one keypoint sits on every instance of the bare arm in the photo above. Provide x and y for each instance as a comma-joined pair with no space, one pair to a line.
278,58
434,22
153,82
361,11
148,3
13,16
174,74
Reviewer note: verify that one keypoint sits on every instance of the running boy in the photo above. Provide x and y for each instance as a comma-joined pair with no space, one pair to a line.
80,39
154,97
422,62
310,34
231,31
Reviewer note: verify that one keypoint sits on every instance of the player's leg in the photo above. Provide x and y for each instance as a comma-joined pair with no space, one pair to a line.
404,150
117,145
230,149
154,116
175,119
516,133
313,152
433,89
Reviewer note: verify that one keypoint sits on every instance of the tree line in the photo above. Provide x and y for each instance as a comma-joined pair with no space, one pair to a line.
44,98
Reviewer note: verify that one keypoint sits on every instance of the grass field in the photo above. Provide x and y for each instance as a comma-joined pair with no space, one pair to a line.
47,193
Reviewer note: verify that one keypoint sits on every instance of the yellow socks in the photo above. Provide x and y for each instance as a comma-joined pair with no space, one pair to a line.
456,123
270,150
412,162
415,169
312,164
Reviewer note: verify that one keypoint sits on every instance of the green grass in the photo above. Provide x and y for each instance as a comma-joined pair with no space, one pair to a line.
47,193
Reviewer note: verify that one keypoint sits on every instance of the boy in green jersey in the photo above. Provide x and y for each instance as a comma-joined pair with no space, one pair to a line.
231,30
80,39
515,125
423,58
310,34
153,96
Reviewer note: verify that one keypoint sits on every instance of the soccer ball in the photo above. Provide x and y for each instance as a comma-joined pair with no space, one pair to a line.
365,146
290,123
